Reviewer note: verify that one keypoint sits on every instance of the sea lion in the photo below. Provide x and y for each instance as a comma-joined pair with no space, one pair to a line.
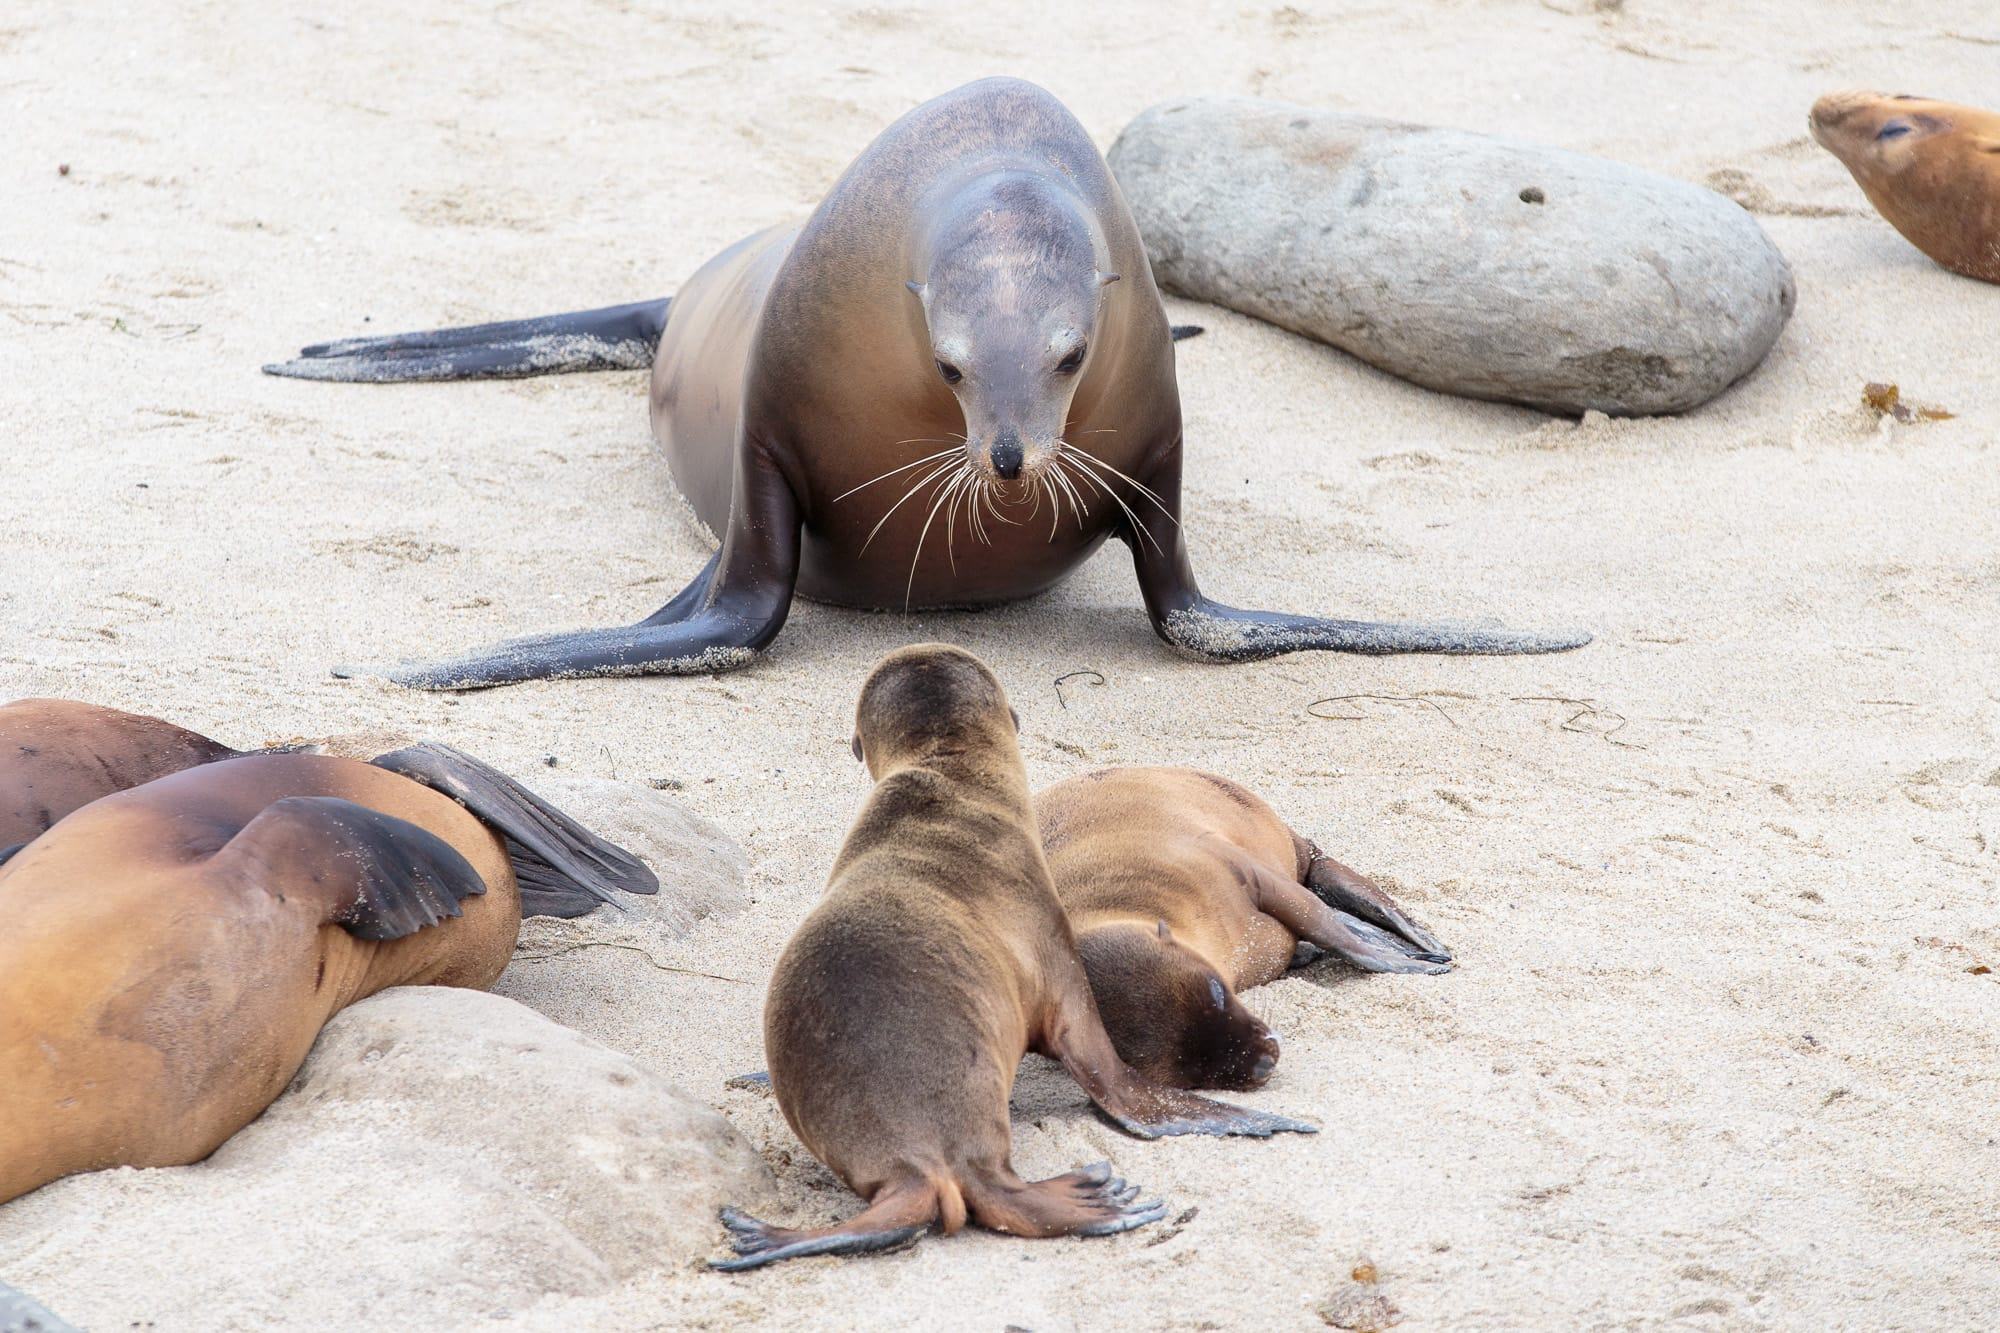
169,953
937,957
966,331
58,755
1183,888
1931,168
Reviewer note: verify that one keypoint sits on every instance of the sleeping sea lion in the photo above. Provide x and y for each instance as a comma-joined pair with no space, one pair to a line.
965,335
1931,168
937,957
169,953
1183,888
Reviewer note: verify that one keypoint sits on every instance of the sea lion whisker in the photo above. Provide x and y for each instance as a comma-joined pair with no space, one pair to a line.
1134,482
1130,517
904,468
1076,499
910,588
940,470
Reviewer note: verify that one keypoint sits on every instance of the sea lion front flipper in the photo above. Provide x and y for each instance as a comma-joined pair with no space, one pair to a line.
619,337
1212,632
376,876
719,622
1076,1038
563,868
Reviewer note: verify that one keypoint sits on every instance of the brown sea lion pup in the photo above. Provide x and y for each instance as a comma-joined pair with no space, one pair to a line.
169,953
964,336
1931,168
1184,888
58,755
938,956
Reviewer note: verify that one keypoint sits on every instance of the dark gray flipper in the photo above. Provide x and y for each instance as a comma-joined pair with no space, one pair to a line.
564,869
1182,332
376,876
1348,890
619,337
758,1243
22,1313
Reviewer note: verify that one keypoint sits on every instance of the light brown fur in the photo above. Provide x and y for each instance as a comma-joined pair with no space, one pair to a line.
1931,168
939,956
158,987
1183,888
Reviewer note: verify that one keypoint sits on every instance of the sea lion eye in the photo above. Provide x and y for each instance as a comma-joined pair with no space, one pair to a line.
1895,129
1072,363
951,373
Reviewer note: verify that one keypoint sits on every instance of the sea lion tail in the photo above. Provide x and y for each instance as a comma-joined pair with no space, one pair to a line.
563,868
618,337
896,1217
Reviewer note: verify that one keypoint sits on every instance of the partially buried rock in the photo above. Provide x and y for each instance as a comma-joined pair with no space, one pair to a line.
1469,263
443,1155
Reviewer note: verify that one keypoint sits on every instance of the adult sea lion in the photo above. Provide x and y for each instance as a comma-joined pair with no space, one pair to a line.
937,957
1931,168
1183,888
169,953
964,334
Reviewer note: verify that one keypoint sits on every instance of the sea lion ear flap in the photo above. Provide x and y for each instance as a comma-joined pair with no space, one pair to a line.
918,289
857,745
1015,713
1106,279
1166,935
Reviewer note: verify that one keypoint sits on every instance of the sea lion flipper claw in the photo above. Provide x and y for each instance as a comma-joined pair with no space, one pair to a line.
379,877
563,868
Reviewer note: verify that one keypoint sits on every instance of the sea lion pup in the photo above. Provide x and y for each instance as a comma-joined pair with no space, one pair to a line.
966,331
58,755
1183,888
168,954
1931,168
938,956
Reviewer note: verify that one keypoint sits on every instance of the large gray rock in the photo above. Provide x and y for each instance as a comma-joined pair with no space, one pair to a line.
1469,263
445,1158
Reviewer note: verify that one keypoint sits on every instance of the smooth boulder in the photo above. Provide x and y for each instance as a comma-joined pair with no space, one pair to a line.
1468,263
444,1159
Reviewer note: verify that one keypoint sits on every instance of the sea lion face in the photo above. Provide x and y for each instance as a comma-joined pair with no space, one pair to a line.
1011,304
1876,135
1170,1016
928,697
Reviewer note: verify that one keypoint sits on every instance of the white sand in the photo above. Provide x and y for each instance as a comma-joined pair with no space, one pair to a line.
1715,1054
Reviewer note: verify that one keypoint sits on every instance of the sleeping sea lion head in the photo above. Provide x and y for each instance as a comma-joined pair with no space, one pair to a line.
1015,279
1170,1016
1879,136
926,700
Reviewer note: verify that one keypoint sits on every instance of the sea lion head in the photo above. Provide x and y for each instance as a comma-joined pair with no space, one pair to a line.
1011,298
1876,135
1170,1016
927,699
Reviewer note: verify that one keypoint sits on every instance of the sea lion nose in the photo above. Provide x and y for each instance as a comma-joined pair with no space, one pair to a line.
1007,455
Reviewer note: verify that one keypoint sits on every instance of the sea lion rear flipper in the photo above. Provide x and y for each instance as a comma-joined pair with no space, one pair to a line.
563,868
896,1216
1077,1039
1349,891
619,337
1089,1201
376,876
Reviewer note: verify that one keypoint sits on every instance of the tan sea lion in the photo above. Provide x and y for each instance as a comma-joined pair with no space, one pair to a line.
964,335
169,953
937,957
1183,888
1931,168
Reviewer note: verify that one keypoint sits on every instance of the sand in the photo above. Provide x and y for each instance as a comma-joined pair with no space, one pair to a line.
1722,1049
